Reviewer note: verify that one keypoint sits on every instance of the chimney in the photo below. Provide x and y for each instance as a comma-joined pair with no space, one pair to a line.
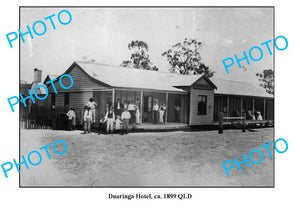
37,75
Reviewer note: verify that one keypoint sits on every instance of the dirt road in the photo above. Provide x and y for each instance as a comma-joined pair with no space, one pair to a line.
147,159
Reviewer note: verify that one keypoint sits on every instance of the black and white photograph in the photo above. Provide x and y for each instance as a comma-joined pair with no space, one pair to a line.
147,96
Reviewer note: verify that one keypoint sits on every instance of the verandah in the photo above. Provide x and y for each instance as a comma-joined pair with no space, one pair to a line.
176,104
235,106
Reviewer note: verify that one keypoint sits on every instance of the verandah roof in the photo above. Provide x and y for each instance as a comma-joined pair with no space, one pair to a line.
123,77
228,87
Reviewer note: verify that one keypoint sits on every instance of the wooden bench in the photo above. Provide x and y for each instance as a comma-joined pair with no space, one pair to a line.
233,118
222,118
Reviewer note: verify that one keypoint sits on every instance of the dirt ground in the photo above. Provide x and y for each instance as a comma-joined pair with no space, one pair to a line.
147,159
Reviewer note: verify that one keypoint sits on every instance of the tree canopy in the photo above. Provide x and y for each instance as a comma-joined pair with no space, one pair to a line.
267,80
184,58
87,59
139,57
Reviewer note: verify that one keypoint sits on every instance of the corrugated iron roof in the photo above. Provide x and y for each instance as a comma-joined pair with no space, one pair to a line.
229,87
117,76
135,78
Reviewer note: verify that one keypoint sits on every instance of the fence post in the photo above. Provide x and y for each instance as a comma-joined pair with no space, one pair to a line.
221,115
244,123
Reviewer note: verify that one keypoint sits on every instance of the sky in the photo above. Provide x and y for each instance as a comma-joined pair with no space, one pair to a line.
103,34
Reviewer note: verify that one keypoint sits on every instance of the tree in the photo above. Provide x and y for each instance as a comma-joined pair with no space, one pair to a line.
86,59
139,57
267,80
184,58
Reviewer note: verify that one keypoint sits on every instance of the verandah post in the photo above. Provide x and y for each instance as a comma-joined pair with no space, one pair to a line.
227,106
221,115
142,106
253,105
113,97
166,111
264,117
244,123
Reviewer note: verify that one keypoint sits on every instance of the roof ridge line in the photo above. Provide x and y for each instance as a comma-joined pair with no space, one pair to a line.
129,68
234,81
110,65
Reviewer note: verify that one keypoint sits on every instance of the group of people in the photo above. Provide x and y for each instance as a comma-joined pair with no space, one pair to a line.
120,114
254,115
118,117
131,107
125,114
89,116
159,112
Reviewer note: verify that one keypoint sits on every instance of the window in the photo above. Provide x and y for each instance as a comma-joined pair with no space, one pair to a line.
202,103
109,101
147,104
67,99
52,99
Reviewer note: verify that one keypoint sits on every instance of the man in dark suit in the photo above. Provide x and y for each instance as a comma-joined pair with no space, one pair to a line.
118,107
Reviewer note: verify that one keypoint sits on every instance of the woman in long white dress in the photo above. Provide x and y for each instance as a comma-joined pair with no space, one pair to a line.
162,109
137,111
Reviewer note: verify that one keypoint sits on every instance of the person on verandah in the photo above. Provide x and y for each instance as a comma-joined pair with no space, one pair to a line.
155,112
251,115
259,116
125,104
118,107
131,109
162,110
177,113
137,111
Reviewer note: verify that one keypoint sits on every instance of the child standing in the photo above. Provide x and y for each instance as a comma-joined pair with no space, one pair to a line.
101,124
125,118
87,118
71,118
118,124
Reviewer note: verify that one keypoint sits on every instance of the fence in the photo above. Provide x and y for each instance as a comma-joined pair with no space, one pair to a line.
42,117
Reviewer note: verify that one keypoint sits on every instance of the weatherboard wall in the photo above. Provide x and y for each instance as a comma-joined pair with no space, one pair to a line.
81,82
195,92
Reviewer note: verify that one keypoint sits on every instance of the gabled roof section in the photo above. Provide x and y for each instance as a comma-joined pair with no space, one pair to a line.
188,80
229,87
49,77
117,76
